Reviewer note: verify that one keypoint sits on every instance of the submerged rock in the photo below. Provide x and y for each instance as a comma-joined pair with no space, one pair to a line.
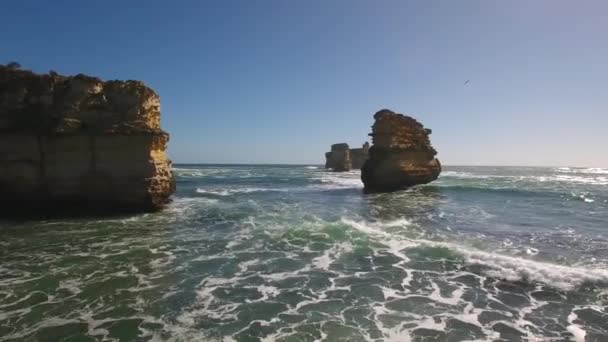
401,155
77,143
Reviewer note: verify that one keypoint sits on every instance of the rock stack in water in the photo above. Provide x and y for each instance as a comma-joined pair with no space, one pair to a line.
358,156
401,155
78,144
339,158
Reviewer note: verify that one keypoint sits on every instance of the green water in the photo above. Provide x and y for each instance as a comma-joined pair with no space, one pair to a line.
276,253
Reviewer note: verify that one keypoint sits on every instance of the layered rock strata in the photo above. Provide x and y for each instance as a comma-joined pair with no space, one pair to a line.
78,144
401,155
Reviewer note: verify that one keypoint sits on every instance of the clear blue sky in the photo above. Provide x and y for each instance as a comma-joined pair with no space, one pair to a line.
279,81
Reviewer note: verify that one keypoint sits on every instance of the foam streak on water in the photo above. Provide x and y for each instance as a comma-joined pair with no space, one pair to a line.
295,253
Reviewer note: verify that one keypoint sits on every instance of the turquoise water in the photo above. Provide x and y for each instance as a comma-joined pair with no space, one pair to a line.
295,253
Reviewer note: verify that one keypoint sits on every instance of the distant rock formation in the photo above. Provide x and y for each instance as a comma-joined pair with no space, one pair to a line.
80,144
358,156
401,155
342,158
339,158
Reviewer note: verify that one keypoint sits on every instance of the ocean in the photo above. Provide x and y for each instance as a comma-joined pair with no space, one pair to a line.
297,253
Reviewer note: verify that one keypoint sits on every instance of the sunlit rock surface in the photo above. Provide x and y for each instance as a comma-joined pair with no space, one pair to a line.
401,155
77,143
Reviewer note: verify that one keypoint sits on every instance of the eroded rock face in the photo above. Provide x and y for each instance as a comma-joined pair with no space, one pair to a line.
401,155
80,144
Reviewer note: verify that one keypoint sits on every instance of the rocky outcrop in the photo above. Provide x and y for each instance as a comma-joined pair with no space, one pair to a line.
341,158
401,155
358,156
338,159
80,144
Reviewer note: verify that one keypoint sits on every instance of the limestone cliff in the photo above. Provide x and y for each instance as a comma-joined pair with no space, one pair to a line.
343,158
401,155
80,144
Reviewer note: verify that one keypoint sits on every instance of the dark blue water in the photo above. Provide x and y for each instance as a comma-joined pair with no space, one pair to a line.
295,253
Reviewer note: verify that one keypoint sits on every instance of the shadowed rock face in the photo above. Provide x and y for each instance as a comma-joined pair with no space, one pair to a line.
341,158
72,144
401,155
358,156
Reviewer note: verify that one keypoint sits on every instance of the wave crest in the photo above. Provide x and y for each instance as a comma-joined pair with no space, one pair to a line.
229,192
567,278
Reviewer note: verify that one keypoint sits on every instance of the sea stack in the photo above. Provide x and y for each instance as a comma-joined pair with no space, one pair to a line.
358,156
78,144
342,158
338,159
401,155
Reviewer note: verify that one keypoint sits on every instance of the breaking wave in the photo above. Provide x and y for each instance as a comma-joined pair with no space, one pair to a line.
230,192
340,180
589,171
497,266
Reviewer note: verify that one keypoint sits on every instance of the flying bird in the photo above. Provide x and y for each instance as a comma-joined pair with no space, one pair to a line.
466,82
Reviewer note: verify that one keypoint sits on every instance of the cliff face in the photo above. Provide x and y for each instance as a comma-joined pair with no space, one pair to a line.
401,155
78,143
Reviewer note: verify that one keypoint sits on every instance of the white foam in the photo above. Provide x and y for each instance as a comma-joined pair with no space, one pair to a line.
229,192
494,265
531,251
329,256
323,261
72,285
194,173
590,170
267,292
367,227
340,180
244,266
213,192
595,170
470,175
513,269
454,299
457,174
575,179
575,329
311,167
564,175
394,242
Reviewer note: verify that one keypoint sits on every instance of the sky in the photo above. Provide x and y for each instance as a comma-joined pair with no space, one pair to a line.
275,81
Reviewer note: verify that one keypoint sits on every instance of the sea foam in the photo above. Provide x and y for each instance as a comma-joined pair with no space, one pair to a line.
229,192
590,170
493,265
